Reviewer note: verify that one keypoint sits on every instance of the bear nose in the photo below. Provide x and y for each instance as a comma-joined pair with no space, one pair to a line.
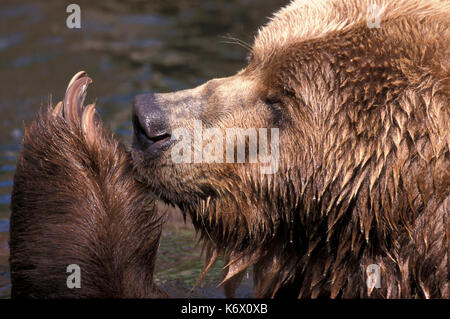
150,125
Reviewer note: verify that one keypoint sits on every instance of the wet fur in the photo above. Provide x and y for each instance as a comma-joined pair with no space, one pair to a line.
75,201
364,176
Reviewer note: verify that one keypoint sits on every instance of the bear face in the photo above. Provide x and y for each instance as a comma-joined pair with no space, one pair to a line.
356,118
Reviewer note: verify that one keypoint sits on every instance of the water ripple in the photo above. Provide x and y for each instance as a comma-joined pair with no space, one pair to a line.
143,19
4,225
5,199
7,168
6,183
10,40
32,11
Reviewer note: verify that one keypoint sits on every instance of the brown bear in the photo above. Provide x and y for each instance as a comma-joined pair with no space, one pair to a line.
354,199
78,211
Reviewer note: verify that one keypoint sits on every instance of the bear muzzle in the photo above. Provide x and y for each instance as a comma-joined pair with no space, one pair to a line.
150,124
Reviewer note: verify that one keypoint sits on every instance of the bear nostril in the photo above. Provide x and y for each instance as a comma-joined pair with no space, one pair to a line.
151,127
145,136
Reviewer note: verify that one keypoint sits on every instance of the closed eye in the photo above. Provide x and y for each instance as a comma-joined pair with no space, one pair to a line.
276,107
273,101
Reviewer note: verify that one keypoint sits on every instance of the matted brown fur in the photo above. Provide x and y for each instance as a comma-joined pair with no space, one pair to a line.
364,176
75,201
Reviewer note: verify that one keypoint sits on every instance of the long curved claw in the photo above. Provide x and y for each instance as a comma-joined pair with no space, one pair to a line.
73,110
57,110
77,76
74,98
88,123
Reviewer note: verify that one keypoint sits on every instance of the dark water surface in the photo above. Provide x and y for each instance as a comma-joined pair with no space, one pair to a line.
127,47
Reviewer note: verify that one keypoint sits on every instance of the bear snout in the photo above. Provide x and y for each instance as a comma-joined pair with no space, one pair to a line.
150,124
